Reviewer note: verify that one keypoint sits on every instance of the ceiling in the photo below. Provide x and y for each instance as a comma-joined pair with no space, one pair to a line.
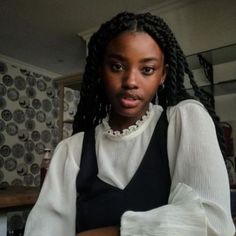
45,33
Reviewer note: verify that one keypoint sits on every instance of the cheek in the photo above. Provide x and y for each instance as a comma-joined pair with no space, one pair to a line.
108,84
153,86
110,88
111,82
152,91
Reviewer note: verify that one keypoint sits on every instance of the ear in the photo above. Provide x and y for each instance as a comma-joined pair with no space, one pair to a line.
165,71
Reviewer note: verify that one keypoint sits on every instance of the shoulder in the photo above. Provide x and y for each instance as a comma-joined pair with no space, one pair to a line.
190,119
72,147
74,140
190,114
189,107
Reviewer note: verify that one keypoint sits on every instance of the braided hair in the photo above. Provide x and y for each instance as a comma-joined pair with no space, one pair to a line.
94,105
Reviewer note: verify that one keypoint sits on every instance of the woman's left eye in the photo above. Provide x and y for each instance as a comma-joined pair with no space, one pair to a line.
148,70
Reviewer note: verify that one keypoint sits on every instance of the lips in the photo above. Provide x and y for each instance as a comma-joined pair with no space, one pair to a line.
129,100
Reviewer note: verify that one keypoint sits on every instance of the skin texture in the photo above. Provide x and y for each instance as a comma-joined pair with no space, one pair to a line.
132,71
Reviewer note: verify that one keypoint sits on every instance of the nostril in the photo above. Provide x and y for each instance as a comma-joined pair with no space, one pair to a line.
129,86
130,82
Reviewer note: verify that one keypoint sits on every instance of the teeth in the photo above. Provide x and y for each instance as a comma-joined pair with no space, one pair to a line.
129,98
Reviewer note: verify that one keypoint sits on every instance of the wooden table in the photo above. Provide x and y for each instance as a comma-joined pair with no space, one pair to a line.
15,198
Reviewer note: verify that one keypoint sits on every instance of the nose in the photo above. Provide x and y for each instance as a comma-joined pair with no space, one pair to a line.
130,80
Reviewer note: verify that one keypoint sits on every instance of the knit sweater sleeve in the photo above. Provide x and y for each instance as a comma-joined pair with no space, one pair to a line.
199,201
54,211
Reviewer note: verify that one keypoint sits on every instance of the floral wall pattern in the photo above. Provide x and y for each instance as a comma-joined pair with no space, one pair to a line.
28,113
29,104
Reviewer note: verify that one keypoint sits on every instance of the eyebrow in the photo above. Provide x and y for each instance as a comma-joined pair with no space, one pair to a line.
120,57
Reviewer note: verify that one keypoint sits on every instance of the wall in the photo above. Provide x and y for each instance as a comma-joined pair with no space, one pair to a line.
28,124
200,25
28,120
225,107
29,108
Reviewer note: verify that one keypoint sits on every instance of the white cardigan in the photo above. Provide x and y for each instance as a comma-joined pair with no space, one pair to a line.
199,201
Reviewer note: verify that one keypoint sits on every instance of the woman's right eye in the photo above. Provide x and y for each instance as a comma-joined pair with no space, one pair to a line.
117,67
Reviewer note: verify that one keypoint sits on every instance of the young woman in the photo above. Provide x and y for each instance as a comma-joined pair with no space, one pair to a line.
145,156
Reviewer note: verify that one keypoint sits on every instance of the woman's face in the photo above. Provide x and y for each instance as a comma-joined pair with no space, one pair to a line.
133,68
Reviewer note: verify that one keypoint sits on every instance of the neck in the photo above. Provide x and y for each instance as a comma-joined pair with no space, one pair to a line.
119,123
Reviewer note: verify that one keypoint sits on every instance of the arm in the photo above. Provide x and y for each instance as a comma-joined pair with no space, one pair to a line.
54,212
199,200
107,231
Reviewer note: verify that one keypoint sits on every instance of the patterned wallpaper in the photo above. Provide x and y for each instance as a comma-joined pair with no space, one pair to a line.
28,111
29,103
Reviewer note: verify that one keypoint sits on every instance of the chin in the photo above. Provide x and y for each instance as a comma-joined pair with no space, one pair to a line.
131,113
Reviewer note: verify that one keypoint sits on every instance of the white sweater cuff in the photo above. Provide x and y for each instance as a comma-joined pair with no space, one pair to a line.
183,216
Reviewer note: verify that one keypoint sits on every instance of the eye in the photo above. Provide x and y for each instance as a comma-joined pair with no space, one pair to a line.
147,70
117,67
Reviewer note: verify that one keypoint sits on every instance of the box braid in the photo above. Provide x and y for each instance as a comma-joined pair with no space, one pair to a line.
94,105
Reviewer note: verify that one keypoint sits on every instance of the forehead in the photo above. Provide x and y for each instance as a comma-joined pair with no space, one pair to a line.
139,42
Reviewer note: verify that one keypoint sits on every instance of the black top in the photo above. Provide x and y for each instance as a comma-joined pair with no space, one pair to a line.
100,204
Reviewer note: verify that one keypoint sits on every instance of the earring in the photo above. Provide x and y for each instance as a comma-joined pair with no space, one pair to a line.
156,99
161,86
